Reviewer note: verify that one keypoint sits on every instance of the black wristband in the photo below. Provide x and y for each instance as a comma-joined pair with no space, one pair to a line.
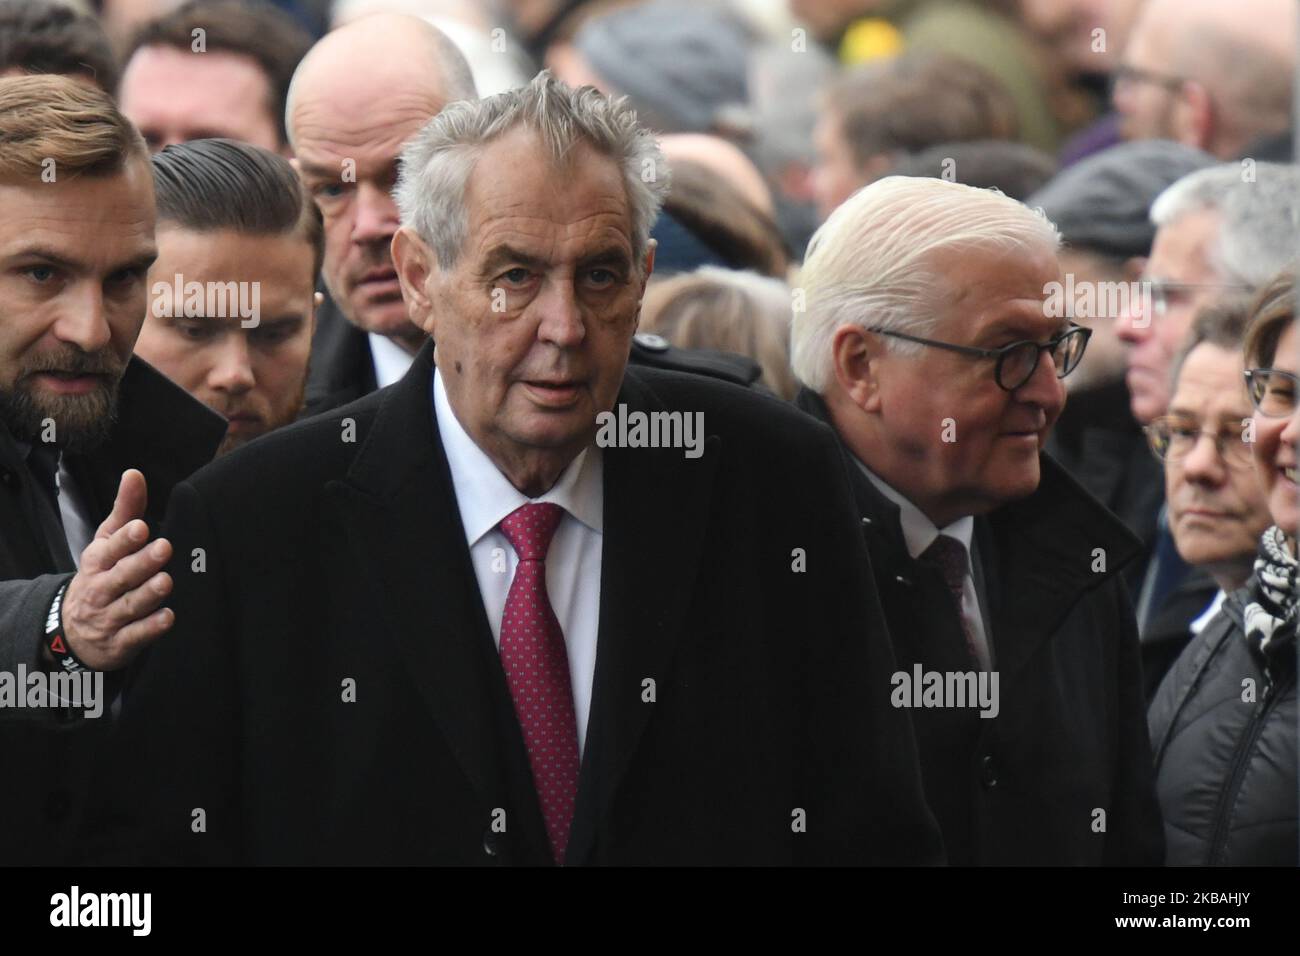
56,641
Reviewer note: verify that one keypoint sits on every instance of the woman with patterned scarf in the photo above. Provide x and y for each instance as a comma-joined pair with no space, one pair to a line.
1223,723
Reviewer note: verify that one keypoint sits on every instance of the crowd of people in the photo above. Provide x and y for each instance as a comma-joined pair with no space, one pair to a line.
927,366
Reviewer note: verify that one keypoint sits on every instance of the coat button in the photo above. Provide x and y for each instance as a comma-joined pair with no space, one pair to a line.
866,522
491,843
902,580
988,773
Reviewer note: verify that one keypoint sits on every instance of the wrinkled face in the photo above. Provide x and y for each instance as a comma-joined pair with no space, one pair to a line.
173,96
836,176
1217,509
347,150
74,255
1275,445
949,438
255,376
534,321
1147,108
1180,255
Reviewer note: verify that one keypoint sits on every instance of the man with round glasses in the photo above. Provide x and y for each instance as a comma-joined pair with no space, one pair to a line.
927,342
1217,509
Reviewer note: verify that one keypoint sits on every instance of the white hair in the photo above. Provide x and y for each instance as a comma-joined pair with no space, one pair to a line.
1259,226
437,162
872,263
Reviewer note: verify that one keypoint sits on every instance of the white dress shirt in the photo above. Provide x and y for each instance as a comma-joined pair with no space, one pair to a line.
485,497
391,360
919,533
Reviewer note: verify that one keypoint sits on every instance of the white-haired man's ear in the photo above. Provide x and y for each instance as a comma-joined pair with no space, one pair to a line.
855,353
415,265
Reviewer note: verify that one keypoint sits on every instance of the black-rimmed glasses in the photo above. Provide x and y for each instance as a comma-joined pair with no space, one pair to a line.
1016,362
1271,391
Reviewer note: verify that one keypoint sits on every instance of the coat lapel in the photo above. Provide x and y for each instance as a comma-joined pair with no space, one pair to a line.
656,519
398,510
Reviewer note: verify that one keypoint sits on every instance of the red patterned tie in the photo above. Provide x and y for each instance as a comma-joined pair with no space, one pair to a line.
949,555
536,663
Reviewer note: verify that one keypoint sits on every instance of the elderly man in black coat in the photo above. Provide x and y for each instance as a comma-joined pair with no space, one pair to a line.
91,442
927,338
528,605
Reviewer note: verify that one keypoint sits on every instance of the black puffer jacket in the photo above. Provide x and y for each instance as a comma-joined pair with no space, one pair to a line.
1226,767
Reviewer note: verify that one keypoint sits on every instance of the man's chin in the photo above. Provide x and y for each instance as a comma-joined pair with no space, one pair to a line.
76,423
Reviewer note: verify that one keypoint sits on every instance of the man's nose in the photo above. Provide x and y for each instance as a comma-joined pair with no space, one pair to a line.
1044,388
232,367
561,319
377,218
1203,464
85,321
1133,323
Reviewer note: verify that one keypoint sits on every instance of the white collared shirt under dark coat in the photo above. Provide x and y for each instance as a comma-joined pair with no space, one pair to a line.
484,497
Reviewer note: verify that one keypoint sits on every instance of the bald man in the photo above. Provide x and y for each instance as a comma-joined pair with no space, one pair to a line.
356,98
1209,74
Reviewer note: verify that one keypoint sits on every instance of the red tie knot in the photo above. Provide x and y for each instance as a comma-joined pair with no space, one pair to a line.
529,529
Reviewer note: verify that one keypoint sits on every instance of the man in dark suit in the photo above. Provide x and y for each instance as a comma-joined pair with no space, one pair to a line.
347,125
83,427
927,344
478,619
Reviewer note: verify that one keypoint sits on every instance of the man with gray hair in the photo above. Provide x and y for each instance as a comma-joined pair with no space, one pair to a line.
1225,230
541,638
928,343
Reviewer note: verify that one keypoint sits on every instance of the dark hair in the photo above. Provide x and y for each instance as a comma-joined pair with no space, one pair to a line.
259,31
45,36
916,101
1014,169
1273,310
715,213
1222,323
212,184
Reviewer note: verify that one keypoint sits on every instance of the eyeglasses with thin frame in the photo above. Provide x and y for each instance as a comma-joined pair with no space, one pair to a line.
1127,74
1161,289
1272,391
1173,437
1016,362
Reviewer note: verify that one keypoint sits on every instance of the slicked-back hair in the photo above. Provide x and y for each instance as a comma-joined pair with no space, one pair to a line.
209,185
48,36
52,123
259,31
437,162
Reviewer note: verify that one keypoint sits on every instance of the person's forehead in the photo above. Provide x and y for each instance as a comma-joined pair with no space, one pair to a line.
160,74
1210,380
1182,248
332,123
82,217
991,289
515,188
281,263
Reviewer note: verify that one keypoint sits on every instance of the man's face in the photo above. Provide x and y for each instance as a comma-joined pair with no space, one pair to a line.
253,376
1146,108
1217,508
347,151
174,96
836,176
1106,358
947,436
1179,257
1275,444
74,255
533,323
1066,27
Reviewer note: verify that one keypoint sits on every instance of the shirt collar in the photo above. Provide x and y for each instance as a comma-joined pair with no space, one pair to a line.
391,360
919,531
1198,625
485,496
